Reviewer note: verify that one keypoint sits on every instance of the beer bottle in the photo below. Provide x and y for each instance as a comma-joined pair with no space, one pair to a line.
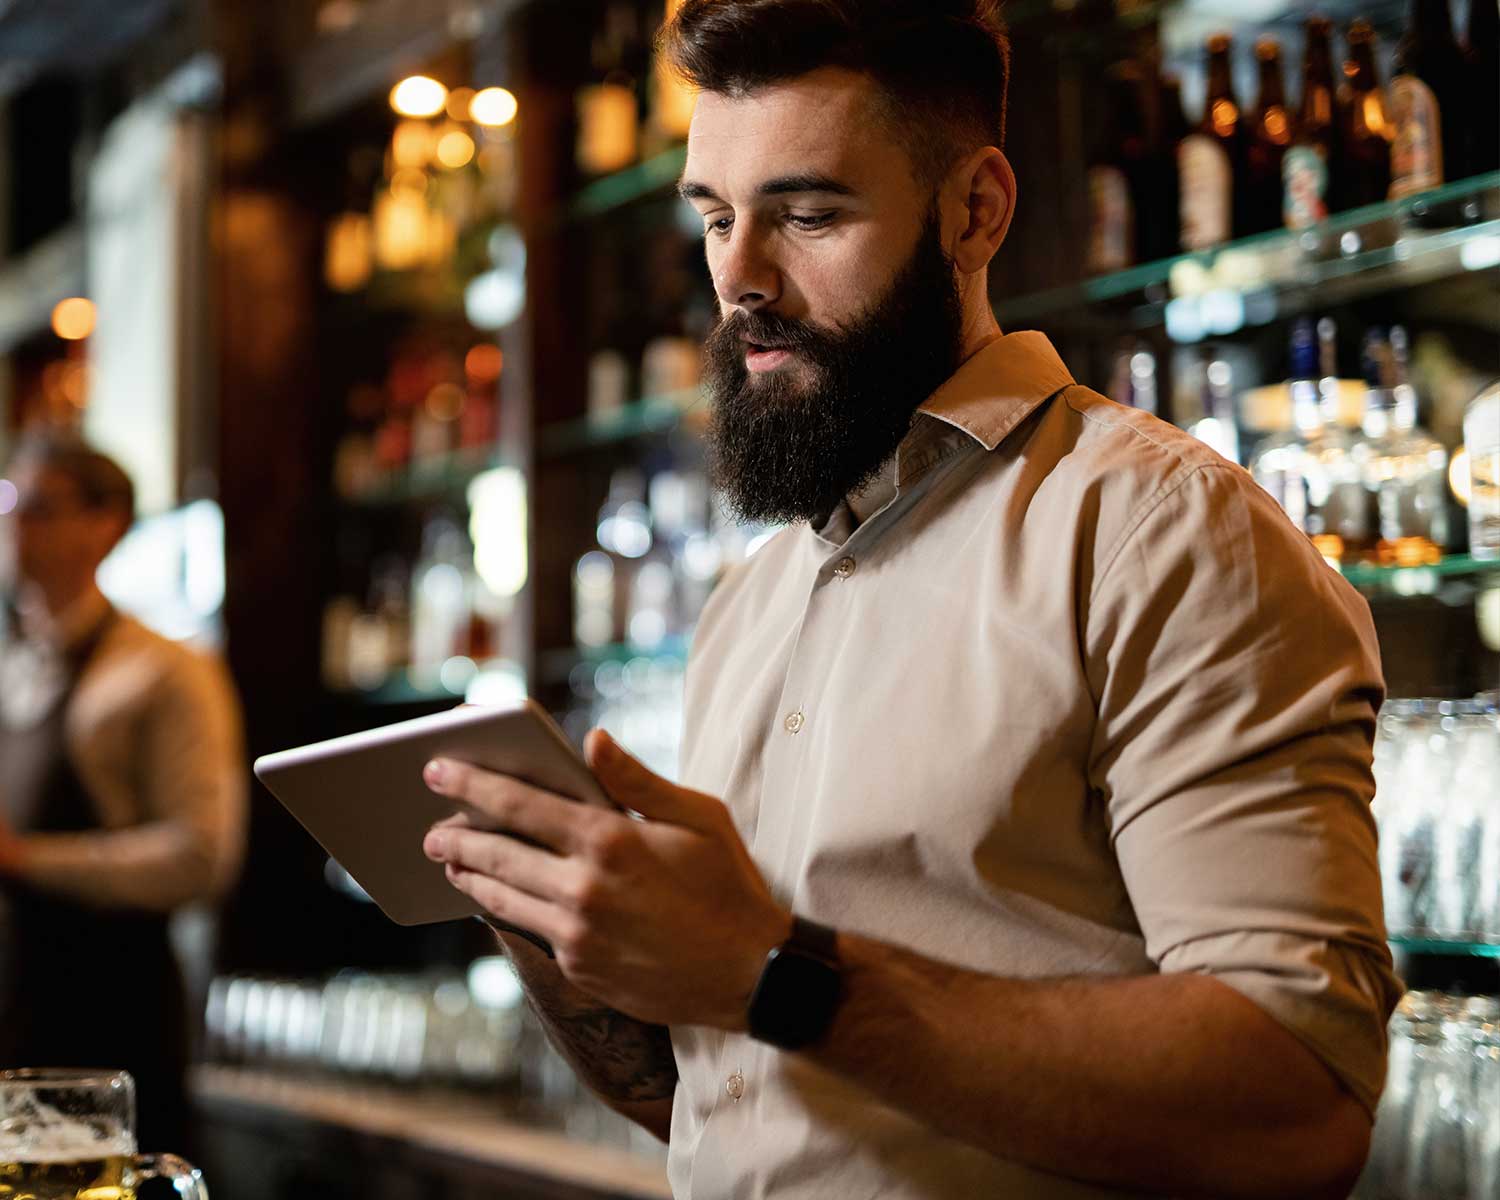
1267,137
1364,176
1160,225
1210,157
1427,102
1309,162
1482,49
1116,173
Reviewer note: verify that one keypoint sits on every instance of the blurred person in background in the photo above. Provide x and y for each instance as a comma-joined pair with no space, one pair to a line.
122,795
1025,848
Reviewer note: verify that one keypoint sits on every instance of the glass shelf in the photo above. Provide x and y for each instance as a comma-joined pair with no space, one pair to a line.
400,689
1421,580
1431,945
645,178
556,665
1432,235
657,415
436,479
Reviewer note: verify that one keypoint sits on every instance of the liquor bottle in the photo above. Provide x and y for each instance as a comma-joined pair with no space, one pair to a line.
1217,427
1364,175
1311,159
1113,173
1404,470
609,110
1268,135
1209,157
1159,229
1427,102
1482,55
1133,376
1311,470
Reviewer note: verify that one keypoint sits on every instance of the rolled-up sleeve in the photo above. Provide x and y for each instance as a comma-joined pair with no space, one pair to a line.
1238,679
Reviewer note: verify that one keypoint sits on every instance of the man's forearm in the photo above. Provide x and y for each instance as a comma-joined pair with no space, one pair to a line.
1173,1084
627,1063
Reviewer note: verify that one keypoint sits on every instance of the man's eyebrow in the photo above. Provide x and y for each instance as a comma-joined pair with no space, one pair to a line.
784,185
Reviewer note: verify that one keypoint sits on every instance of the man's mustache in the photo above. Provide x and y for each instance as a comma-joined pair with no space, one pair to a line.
770,329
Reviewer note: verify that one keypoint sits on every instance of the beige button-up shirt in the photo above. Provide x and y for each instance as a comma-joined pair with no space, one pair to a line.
1075,699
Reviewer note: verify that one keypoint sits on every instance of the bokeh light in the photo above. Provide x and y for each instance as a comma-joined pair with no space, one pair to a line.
9,497
455,149
494,106
458,103
483,362
419,96
73,318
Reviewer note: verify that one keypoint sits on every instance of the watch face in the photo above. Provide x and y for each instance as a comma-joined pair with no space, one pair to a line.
795,999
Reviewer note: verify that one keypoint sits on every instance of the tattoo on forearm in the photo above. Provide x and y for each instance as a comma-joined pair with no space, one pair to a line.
618,1056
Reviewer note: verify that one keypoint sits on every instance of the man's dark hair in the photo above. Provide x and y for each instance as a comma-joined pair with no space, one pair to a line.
942,66
101,482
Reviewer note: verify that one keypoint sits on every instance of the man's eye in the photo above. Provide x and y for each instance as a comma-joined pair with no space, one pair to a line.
720,226
821,221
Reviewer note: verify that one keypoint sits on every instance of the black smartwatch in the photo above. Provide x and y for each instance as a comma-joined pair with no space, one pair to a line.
799,988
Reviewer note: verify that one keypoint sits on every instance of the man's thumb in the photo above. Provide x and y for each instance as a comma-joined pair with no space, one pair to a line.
631,784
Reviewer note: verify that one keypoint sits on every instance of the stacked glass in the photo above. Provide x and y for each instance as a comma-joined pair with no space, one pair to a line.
1437,803
1437,1132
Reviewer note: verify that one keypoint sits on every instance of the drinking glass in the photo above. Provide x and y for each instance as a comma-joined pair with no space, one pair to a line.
70,1135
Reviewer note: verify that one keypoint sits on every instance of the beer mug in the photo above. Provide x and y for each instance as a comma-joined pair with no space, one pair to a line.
70,1135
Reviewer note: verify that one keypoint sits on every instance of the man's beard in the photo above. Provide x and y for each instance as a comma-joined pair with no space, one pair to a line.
788,445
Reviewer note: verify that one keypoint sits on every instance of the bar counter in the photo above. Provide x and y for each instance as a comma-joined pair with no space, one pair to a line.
265,1135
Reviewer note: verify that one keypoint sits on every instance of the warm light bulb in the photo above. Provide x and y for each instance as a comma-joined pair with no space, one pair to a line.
454,149
419,96
494,106
73,319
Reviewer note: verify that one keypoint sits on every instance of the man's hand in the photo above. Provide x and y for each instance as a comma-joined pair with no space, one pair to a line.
664,918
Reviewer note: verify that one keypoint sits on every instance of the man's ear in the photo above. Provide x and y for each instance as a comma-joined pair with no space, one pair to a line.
983,188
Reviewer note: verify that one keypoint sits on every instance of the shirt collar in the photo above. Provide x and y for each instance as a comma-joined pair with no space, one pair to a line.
996,388
999,386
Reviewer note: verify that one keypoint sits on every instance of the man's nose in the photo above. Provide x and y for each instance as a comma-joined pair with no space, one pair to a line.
745,275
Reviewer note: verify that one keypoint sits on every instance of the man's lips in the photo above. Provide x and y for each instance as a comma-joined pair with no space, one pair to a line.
760,357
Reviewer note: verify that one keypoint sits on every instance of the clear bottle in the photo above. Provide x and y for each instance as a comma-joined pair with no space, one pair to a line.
1217,427
1404,469
1482,441
1309,469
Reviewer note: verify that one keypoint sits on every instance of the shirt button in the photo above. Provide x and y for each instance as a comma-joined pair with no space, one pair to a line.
794,721
844,568
735,1086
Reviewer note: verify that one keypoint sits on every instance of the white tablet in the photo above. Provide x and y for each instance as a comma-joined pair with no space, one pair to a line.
364,799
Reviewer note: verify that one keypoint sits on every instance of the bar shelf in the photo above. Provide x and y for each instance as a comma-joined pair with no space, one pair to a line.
655,415
1416,944
1419,579
1396,244
437,479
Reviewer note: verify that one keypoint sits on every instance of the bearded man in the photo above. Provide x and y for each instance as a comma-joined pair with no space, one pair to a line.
1025,846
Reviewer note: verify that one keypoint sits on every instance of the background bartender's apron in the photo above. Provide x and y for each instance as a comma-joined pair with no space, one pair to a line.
82,986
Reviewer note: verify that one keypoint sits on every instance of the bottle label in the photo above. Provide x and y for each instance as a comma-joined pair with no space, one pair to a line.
1304,177
1111,221
1207,190
1417,152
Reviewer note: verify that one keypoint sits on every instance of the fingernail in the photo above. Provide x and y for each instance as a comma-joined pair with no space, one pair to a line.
435,846
433,772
